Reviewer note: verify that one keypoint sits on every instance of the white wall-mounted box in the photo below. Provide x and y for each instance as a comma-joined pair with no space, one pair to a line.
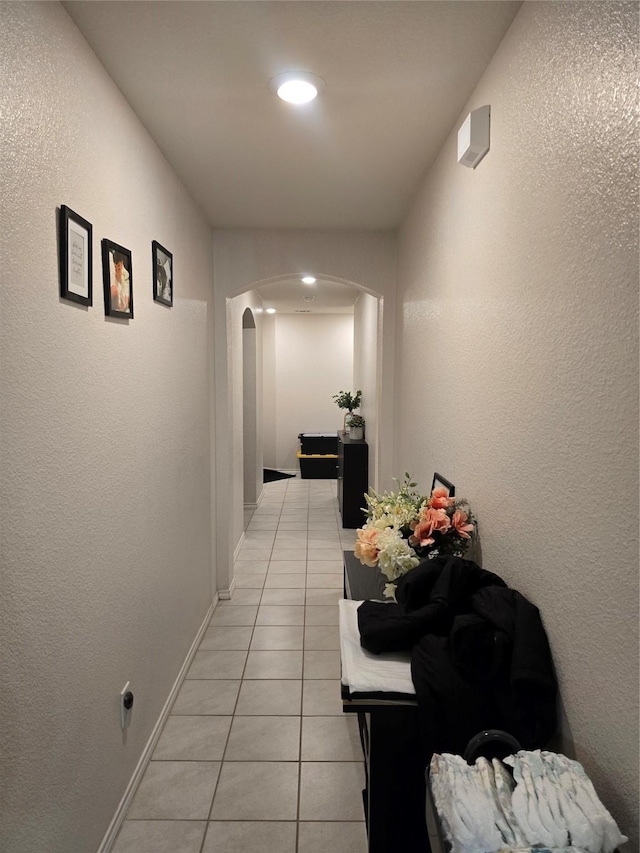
473,137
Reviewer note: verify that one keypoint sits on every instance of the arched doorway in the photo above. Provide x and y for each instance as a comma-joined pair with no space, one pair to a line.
243,262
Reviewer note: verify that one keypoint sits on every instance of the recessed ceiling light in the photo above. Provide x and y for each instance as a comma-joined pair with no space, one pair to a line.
271,310
308,279
297,87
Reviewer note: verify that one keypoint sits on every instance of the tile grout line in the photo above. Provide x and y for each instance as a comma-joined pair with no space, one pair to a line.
304,625
233,715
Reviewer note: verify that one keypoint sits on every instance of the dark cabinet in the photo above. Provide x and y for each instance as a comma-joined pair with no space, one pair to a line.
353,479
394,761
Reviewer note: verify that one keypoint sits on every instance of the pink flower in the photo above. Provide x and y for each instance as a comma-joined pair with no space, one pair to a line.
458,522
431,521
438,518
366,549
440,498
416,539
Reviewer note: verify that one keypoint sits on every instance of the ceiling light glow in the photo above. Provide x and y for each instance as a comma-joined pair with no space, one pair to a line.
297,92
297,87
271,310
308,279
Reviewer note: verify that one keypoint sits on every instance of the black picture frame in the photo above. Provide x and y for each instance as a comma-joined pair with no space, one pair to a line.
118,284
76,257
162,266
439,480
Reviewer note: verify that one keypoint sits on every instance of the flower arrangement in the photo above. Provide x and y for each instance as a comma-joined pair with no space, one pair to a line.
404,527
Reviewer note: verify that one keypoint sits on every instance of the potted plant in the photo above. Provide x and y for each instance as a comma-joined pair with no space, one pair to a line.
356,427
349,401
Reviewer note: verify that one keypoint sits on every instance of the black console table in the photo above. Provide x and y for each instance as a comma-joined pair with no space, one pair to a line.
353,479
395,793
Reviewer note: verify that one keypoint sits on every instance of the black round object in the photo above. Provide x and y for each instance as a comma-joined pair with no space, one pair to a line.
490,743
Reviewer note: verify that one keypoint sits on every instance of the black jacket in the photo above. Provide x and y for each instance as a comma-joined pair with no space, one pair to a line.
480,654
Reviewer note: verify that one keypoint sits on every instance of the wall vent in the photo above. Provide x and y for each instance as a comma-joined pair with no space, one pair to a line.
302,311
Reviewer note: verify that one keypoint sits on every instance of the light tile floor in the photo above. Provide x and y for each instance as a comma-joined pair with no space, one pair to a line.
257,754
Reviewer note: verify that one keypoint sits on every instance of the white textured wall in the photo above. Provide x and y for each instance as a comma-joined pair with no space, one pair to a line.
367,337
518,355
269,390
105,501
250,411
234,488
314,361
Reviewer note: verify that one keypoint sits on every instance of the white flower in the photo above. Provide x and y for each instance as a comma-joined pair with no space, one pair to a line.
396,557
390,590
395,509
382,522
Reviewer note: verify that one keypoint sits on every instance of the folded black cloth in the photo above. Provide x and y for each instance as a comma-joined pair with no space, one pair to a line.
480,658
388,628
531,685
413,590
478,649
462,689
510,612
429,597
448,581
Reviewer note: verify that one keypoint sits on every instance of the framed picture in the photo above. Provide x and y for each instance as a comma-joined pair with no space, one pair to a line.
162,263
76,257
117,277
440,482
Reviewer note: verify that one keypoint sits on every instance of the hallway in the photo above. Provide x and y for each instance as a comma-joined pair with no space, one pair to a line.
257,754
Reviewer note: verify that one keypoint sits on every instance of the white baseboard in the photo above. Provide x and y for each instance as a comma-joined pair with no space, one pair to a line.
225,594
257,503
116,822
238,546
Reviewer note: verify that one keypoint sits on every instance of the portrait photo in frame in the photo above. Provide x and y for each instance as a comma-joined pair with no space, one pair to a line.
440,482
162,265
76,257
117,277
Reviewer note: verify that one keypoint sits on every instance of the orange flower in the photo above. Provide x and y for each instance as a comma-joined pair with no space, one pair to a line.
366,549
459,523
431,521
440,498
438,518
421,538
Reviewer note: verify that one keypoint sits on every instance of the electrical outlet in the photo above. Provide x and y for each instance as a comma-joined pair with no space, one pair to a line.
126,704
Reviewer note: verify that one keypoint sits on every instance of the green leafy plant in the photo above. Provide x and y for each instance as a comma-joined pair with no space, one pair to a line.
356,421
346,400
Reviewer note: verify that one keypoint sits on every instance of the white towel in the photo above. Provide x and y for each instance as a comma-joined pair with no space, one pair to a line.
364,672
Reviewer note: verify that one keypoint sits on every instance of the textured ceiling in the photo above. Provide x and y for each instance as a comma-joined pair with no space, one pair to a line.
397,76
